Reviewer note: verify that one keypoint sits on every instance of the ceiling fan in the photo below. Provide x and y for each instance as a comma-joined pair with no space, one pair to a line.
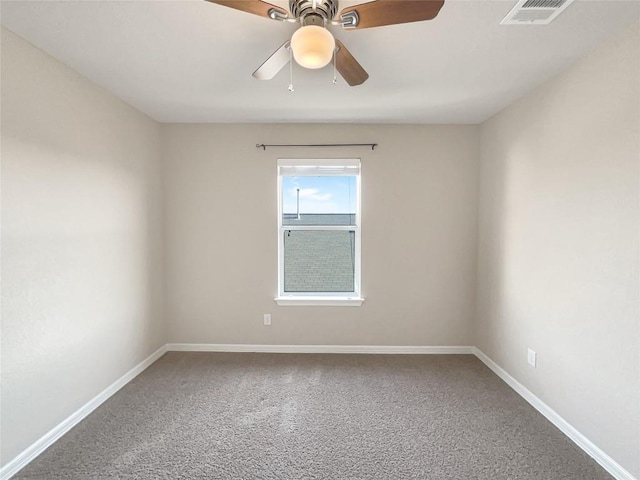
313,45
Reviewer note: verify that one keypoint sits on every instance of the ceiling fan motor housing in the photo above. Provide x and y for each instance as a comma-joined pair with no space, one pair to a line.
314,12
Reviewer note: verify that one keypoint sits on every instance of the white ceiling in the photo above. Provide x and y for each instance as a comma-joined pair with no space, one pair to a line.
191,61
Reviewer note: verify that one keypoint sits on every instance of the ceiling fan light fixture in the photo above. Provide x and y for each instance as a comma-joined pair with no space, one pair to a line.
312,46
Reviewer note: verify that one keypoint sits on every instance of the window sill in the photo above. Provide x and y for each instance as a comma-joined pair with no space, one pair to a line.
319,301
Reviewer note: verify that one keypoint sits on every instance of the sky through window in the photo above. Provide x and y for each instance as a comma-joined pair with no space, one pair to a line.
320,194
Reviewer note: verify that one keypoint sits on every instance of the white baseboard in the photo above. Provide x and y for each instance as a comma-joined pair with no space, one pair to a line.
608,463
380,349
18,463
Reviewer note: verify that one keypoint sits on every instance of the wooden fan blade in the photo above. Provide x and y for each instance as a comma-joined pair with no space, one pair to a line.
274,63
257,7
392,12
349,67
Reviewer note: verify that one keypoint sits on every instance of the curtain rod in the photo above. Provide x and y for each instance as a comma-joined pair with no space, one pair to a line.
372,145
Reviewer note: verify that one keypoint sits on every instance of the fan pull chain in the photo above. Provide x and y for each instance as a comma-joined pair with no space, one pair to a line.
335,75
291,89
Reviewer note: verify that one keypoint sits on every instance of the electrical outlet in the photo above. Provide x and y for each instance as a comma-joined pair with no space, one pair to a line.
267,319
531,357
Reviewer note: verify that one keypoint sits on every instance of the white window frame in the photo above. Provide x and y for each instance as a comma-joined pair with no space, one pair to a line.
319,167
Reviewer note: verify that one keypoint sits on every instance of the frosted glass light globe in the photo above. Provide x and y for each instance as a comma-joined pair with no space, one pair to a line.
312,46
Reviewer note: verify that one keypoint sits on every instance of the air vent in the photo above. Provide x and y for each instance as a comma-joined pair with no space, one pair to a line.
535,12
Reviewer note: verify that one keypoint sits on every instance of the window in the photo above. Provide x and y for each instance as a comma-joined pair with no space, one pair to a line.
319,232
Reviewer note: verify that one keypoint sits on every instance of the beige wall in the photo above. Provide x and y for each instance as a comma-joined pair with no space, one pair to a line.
81,249
418,235
558,245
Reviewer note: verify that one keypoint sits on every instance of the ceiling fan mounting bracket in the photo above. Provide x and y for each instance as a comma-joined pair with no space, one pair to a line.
278,15
349,19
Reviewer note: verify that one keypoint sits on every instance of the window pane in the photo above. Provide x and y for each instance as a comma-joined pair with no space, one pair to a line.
320,200
319,261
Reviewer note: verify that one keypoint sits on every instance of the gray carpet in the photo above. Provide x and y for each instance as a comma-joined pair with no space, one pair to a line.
286,416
